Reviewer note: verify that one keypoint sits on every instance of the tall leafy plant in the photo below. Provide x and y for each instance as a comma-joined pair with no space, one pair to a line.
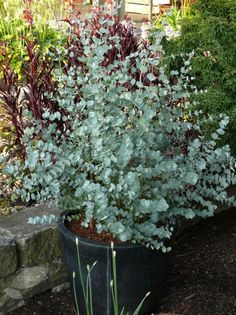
31,95
132,157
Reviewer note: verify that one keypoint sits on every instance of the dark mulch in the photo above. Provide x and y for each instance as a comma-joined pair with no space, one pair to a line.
201,275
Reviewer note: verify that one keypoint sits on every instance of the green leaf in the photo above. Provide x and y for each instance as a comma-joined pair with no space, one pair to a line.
191,178
125,151
201,164
160,205
151,77
116,228
32,159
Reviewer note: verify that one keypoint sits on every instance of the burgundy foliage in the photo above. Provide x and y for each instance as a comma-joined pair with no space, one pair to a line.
125,30
10,93
38,79
27,93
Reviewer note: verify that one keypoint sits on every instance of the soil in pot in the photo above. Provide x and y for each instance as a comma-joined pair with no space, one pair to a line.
90,232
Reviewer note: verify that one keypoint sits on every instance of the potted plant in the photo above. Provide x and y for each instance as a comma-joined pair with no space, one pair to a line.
124,156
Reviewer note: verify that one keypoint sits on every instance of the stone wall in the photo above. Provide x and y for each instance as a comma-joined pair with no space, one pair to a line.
30,258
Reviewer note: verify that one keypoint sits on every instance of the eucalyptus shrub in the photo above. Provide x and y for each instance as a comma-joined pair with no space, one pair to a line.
131,155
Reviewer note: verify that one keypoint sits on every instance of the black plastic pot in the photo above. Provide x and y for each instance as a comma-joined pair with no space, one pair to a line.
139,270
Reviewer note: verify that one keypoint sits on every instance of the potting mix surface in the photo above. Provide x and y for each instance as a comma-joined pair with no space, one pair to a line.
89,232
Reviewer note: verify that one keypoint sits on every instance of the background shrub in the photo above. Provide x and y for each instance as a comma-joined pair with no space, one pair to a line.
210,30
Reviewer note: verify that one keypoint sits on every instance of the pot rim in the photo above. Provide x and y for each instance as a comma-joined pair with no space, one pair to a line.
73,236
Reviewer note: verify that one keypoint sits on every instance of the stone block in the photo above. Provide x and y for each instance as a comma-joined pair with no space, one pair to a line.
8,254
60,288
13,293
38,247
36,244
10,299
29,278
57,273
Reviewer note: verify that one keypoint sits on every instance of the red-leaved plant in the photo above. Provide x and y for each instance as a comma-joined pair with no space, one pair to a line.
29,93
11,105
124,29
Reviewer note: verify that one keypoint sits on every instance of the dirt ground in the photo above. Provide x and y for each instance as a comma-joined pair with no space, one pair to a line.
201,277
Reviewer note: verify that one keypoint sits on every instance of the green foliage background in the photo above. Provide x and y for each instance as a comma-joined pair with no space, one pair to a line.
210,30
46,31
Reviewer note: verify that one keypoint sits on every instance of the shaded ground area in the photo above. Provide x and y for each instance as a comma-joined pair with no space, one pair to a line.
201,274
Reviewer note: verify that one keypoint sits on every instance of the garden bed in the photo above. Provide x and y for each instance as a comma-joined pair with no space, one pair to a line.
201,276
